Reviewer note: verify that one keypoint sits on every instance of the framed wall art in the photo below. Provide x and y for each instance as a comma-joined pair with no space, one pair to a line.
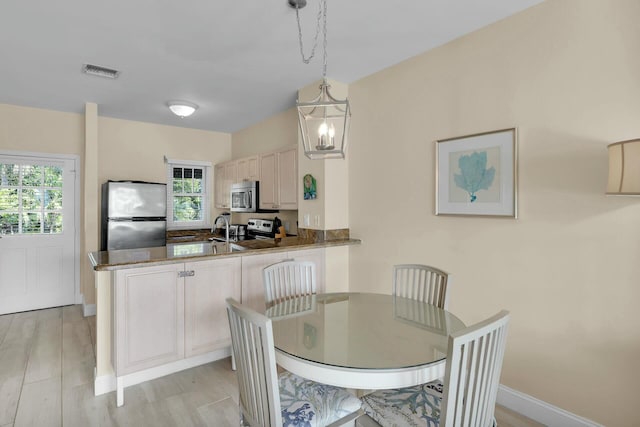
478,174
310,187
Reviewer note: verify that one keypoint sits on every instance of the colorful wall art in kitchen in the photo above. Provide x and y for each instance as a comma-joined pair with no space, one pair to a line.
309,185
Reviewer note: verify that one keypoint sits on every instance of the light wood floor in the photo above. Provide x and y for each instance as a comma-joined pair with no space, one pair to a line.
46,379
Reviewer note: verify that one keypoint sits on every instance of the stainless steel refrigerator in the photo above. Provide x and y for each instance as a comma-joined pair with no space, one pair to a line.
134,215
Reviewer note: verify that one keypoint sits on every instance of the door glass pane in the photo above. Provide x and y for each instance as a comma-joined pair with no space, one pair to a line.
52,176
31,199
9,222
53,223
9,174
31,222
52,200
32,175
9,200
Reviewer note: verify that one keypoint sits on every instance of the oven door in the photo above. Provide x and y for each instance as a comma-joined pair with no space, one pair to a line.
243,200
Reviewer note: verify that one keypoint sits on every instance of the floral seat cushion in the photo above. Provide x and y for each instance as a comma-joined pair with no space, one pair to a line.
305,403
406,407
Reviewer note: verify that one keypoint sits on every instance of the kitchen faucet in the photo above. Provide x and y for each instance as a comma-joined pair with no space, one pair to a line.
226,221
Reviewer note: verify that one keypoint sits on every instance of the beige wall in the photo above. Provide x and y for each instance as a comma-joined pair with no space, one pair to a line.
566,73
43,131
136,150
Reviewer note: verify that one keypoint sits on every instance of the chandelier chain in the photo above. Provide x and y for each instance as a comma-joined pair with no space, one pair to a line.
324,46
306,60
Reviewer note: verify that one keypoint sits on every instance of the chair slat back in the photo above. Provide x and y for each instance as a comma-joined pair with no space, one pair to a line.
474,362
288,279
253,349
422,283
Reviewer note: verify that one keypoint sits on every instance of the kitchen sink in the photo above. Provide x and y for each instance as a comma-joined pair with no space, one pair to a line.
221,247
201,248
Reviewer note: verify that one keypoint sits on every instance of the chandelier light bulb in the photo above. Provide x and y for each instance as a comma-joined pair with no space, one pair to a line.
323,129
326,136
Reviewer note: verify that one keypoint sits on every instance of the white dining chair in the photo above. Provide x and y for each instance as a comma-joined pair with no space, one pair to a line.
466,397
287,279
422,283
269,400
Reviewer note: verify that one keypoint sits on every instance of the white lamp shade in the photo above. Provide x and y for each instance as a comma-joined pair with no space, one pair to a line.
182,108
624,168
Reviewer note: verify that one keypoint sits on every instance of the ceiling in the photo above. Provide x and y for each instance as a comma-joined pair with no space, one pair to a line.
240,62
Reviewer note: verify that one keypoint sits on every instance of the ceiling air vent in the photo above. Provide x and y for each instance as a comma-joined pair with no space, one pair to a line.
99,71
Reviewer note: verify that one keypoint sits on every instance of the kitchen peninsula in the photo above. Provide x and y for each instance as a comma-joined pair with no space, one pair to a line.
161,310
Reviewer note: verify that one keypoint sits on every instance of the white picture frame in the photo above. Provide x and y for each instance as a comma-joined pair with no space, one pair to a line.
477,175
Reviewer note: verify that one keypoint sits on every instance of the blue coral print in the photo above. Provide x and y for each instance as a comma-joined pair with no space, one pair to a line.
474,174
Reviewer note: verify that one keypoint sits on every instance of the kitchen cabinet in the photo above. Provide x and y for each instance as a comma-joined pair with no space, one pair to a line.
224,174
218,179
252,284
205,293
316,256
167,313
248,169
252,280
149,317
279,179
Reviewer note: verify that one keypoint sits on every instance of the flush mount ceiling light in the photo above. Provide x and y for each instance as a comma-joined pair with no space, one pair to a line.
182,109
624,168
324,121
96,70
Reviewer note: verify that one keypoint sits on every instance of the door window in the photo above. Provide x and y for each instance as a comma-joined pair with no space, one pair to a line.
31,198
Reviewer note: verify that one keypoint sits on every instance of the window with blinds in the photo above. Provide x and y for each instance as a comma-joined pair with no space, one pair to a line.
189,196
30,198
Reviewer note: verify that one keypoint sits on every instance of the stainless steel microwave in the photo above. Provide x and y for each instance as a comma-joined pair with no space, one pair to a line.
245,197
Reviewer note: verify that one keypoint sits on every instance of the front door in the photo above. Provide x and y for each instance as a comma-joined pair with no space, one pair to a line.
37,232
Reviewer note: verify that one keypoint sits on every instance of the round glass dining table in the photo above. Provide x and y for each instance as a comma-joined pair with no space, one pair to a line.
362,340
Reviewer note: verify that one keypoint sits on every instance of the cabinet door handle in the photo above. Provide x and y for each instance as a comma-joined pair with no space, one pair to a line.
189,273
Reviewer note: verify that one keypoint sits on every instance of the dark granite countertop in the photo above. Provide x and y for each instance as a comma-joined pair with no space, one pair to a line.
201,251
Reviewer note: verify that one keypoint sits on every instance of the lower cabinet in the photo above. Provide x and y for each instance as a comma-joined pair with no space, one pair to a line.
166,313
205,310
176,313
149,317
252,266
252,282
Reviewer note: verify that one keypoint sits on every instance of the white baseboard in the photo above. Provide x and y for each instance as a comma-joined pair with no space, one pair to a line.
103,384
88,309
540,411
107,383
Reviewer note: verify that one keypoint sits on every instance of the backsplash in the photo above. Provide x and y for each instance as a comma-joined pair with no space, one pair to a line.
323,235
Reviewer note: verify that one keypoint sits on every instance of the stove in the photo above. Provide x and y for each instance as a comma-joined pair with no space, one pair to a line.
260,229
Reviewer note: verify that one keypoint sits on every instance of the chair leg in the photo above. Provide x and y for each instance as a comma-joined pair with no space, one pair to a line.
233,362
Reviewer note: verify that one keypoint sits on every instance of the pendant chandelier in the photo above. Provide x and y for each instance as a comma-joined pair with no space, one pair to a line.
324,121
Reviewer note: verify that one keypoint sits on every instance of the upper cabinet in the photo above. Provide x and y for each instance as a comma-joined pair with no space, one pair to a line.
277,172
279,179
224,175
248,169
218,180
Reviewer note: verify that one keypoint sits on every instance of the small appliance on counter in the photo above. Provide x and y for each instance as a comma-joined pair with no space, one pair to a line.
133,215
260,229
